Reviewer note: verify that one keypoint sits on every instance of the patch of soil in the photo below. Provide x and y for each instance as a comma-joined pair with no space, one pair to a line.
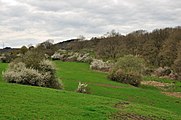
175,94
129,116
107,85
121,104
103,85
155,83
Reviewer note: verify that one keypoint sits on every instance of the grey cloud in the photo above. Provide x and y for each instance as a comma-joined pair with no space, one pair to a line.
20,42
37,20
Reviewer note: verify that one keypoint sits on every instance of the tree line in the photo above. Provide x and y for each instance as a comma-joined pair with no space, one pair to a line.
161,47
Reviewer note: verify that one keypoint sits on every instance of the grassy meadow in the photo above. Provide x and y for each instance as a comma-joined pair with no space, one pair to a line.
28,102
108,99
71,73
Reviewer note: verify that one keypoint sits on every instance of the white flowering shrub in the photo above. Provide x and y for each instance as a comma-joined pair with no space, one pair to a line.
71,56
100,65
56,56
47,66
84,58
19,73
83,88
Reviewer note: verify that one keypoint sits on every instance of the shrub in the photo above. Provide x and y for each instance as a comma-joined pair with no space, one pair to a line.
148,72
32,69
32,59
18,73
162,71
128,70
71,56
47,66
127,78
84,58
23,49
83,88
131,64
100,65
174,76
7,58
44,76
56,56
177,67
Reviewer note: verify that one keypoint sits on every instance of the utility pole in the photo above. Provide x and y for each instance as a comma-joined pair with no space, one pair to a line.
3,45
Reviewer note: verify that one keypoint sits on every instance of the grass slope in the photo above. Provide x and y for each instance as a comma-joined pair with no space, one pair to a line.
24,102
28,102
150,100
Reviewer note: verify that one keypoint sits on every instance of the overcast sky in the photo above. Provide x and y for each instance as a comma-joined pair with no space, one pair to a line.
24,22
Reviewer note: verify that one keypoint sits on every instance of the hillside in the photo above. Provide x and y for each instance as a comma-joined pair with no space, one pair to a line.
71,73
107,100
90,60
26,102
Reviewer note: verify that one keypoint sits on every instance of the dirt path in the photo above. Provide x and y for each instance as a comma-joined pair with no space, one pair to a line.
106,85
103,85
162,85
175,94
155,83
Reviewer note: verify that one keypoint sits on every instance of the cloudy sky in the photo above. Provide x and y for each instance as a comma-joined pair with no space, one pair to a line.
24,22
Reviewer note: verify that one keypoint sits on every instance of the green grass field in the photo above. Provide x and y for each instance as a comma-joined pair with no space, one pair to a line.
28,102
71,73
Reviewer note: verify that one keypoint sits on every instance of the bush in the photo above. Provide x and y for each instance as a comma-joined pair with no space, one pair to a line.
148,72
32,59
83,88
47,66
72,56
56,56
128,70
130,63
177,67
7,58
100,65
127,78
32,69
162,71
84,58
19,73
